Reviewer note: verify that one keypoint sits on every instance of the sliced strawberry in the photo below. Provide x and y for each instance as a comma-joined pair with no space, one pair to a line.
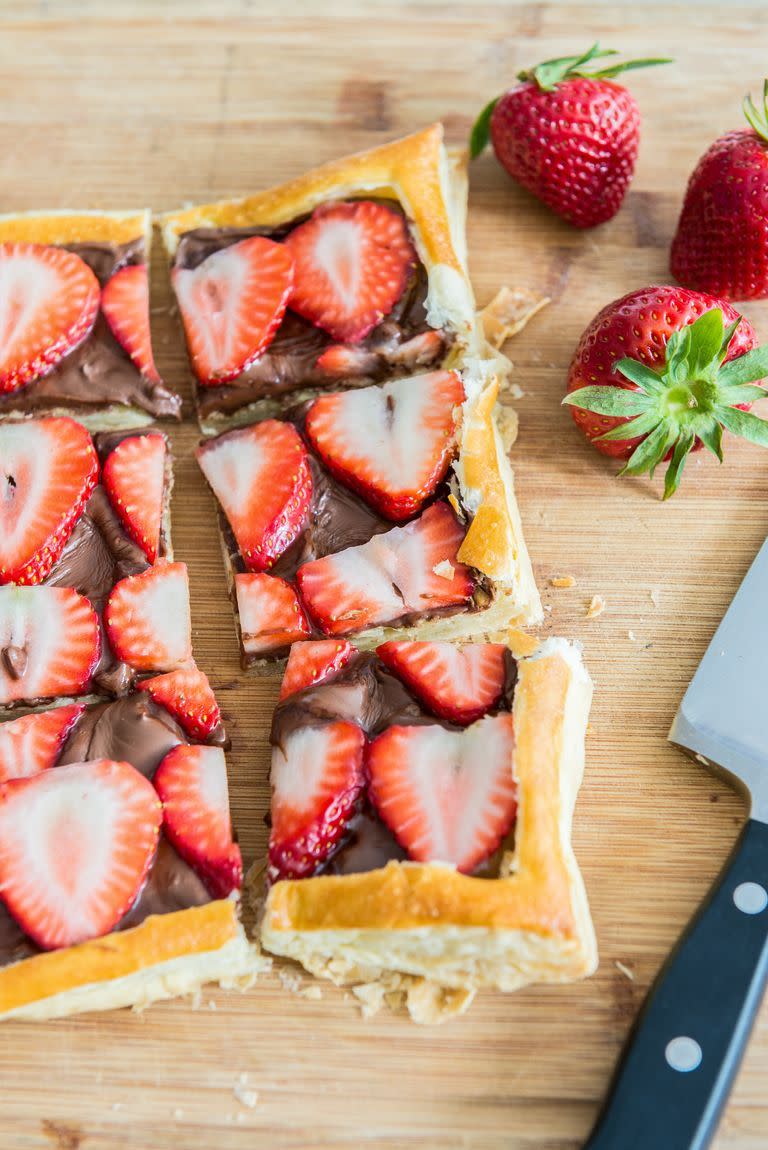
147,618
125,304
343,361
33,743
232,304
49,300
271,615
187,695
456,683
134,477
48,469
447,796
317,779
391,576
75,846
420,350
391,444
192,782
260,476
311,663
352,264
50,642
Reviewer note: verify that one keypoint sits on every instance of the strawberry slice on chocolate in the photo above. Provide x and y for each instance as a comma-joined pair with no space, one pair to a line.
192,783
312,663
317,779
232,304
455,683
125,304
392,444
50,643
352,264
147,618
270,612
48,469
33,743
260,476
134,479
410,570
75,846
49,300
187,695
447,796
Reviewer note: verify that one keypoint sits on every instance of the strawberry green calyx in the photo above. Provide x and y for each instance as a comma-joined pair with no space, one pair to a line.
694,396
550,73
757,117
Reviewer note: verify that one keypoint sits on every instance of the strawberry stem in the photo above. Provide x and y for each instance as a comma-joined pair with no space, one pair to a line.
693,397
757,118
550,73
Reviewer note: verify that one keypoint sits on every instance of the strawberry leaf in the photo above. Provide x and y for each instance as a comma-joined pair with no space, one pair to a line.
639,426
648,454
743,423
757,118
481,130
740,393
614,401
646,378
710,432
677,462
704,343
745,369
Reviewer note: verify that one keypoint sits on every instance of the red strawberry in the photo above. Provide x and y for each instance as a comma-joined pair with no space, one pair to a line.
345,361
420,350
352,265
33,743
271,616
49,643
147,618
125,303
192,782
567,134
391,576
657,374
391,444
721,243
75,846
312,663
455,683
48,469
260,476
232,304
49,300
134,477
317,779
447,796
187,695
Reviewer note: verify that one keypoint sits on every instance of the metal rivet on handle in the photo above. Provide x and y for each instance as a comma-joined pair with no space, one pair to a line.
750,898
683,1054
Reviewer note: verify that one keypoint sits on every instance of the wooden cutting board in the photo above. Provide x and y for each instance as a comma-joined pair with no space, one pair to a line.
122,104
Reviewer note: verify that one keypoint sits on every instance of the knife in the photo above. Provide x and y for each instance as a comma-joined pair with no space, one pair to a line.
685,1048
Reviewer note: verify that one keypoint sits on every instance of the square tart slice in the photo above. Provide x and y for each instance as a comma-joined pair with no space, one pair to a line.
90,598
83,346
120,874
422,798
382,512
354,273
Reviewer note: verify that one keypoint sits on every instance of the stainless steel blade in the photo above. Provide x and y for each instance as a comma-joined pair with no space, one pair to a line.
723,718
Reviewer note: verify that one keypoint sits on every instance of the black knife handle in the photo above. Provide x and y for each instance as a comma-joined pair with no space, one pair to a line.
685,1048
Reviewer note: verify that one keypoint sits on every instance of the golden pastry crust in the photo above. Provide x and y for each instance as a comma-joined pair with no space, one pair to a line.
530,924
60,982
76,227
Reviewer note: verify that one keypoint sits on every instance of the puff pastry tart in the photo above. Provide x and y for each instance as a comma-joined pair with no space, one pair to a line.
351,274
90,599
74,319
421,808
378,512
119,874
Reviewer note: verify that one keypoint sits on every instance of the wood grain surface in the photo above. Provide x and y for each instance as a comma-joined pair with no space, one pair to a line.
121,104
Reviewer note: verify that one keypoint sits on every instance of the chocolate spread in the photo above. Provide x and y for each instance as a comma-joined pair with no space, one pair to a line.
290,361
366,693
98,372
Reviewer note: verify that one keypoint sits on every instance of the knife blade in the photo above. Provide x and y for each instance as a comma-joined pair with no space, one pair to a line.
681,1057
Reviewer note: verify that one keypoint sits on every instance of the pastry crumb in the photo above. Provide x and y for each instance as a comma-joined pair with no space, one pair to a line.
625,970
245,1097
289,980
562,581
509,312
632,636
370,996
548,608
314,993
212,1005
516,391
117,1106
177,1114
596,607
456,505
655,595
520,643
507,423
445,570
590,729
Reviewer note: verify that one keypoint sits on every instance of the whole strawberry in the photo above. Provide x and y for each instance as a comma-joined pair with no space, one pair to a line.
567,134
721,243
661,372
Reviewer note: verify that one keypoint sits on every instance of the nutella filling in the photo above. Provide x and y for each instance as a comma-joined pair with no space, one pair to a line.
98,372
394,347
